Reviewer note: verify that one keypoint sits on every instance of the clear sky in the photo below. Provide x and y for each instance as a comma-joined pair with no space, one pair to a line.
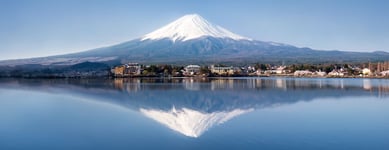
31,28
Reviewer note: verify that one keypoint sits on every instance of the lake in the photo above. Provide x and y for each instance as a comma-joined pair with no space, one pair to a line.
191,113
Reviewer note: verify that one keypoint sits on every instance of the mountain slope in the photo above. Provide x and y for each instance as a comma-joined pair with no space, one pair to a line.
192,39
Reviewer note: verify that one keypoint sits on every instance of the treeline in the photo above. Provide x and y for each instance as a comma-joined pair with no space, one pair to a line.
351,67
162,70
85,69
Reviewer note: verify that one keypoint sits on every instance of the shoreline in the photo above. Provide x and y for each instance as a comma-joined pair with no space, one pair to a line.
196,77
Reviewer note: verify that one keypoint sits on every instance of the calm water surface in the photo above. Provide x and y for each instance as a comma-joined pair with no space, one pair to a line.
185,113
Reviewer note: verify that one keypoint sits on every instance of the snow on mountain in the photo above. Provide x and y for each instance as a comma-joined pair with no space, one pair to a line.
191,27
194,38
190,122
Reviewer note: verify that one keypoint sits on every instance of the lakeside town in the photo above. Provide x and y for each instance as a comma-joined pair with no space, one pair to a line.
366,70
132,70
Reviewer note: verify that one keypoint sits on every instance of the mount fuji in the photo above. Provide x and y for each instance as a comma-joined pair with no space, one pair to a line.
191,27
192,39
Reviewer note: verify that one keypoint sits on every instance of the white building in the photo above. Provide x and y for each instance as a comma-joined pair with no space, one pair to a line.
192,70
222,70
385,73
336,73
366,71
302,73
321,73
280,70
133,69
250,69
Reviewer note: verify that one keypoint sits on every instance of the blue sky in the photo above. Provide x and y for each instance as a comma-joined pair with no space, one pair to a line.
31,28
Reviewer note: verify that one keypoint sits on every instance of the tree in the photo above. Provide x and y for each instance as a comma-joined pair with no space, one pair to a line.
205,70
260,66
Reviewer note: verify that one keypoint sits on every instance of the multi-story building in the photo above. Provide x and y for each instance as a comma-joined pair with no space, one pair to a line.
222,70
127,70
192,70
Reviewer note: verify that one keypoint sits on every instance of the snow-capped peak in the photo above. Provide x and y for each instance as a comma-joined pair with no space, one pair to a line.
191,27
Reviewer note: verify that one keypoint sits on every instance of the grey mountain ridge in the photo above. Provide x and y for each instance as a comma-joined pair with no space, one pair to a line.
206,46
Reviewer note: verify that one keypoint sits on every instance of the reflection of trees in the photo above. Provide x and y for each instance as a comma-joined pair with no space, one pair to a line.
208,94
258,83
205,93
378,87
383,91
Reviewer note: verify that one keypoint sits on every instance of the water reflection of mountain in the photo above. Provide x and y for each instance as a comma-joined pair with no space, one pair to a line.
207,94
191,106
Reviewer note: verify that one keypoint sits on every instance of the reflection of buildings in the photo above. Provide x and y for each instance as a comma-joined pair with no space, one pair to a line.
190,122
281,83
222,84
367,84
197,84
127,84
119,83
235,84
337,83
191,84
